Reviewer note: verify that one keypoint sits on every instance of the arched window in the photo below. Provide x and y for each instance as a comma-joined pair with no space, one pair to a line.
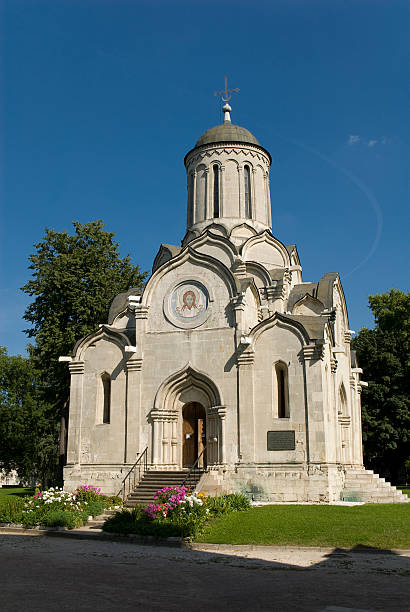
342,408
281,390
106,387
248,193
216,190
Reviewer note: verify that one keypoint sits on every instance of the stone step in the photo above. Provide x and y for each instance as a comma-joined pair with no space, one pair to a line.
371,493
152,482
374,486
369,487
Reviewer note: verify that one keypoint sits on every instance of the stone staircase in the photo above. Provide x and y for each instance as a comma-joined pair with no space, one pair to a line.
144,493
366,486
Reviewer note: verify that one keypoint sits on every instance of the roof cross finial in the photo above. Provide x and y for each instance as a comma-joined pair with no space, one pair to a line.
225,98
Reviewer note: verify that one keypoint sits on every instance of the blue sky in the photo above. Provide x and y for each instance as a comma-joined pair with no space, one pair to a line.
102,99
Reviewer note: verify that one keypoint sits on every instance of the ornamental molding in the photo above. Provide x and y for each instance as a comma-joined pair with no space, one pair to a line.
217,411
134,365
313,352
344,421
141,311
245,149
245,358
164,415
76,367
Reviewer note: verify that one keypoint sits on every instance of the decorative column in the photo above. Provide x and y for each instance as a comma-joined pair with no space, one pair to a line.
312,354
222,192
133,410
194,216
156,436
246,417
356,391
222,443
133,417
254,214
207,198
216,441
241,193
333,369
75,415
268,211
164,442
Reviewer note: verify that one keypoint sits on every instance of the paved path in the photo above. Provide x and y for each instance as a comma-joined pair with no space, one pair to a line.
63,574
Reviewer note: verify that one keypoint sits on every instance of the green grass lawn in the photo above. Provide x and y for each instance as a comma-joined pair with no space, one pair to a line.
377,525
13,492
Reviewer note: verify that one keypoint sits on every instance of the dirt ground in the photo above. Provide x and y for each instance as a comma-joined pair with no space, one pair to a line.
52,574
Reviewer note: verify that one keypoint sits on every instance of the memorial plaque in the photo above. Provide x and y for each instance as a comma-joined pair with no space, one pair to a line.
281,440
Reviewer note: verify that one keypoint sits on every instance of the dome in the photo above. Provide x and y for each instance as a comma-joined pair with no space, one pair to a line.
227,132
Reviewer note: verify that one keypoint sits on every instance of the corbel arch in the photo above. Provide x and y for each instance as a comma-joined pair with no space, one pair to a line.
269,251
259,273
281,320
216,246
200,259
182,381
103,333
308,305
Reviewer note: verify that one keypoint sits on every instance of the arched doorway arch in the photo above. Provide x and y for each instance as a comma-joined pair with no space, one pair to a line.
183,388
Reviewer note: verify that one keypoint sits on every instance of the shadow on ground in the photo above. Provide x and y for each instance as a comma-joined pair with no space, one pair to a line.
49,574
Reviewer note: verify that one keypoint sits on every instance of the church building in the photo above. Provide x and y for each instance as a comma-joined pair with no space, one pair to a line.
226,360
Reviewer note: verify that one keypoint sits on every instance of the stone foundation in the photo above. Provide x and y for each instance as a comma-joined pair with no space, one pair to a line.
108,477
317,483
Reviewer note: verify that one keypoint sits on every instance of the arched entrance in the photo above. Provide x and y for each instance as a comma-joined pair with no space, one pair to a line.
193,434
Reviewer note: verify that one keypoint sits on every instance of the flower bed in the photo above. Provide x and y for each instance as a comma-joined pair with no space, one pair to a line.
174,512
55,507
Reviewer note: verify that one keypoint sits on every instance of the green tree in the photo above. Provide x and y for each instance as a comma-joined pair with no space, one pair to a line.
383,353
75,278
28,433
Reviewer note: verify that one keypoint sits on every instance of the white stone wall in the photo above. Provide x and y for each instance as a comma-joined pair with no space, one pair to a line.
226,360
231,161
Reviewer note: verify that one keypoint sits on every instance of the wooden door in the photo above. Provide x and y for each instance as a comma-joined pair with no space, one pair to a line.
193,432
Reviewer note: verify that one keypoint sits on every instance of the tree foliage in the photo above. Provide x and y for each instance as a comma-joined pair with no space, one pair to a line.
28,433
74,280
384,355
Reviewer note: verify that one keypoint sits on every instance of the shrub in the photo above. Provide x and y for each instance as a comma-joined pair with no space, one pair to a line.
89,494
94,508
112,501
233,502
44,502
174,513
11,510
137,521
65,518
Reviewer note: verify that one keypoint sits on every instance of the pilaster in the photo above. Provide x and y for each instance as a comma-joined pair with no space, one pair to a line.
253,212
222,192
241,193
133,409
165,440
76,369
216,432
246,416
312,355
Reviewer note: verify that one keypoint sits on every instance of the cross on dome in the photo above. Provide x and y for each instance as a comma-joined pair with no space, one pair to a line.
225,98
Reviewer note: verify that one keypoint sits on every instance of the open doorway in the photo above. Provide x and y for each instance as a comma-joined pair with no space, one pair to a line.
193,434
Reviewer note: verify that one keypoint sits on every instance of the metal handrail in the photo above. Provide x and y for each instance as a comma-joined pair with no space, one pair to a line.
194,471
141,464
